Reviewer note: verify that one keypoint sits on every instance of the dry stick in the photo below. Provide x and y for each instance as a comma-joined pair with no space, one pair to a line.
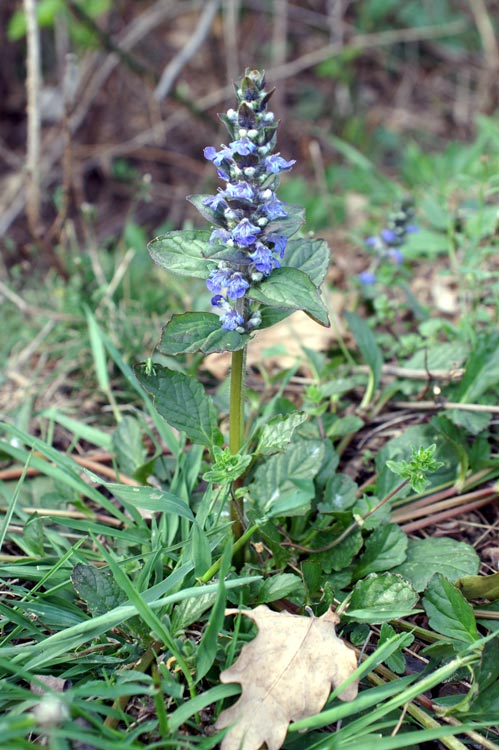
231,11
279,44
172,70
445,515
420,507
93,464
33,83
433,406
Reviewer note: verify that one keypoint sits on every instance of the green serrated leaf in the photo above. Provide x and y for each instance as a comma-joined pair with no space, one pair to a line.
128,444
448,611
199,332
366,342
284,484
381,597
97,588
277,434
182,252
385,549
182,401
341,555
425,557
273,315
340,493
291,288
310,256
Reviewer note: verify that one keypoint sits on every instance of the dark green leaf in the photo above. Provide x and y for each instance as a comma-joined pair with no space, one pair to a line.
278,587
128,444
425,557
284,484
310,256
385,548
289,225
340,493
341,555
366,342
379,598
273,315
182,252
182,401
151,498
199,332
209,642
448,611
482,371
97,588
288,287
208,213
277,434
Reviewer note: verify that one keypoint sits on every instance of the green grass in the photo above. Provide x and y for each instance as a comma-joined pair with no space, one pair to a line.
115,574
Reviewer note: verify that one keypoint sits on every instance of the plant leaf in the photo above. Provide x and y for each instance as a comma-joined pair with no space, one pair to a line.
286,674
479,587
151,498
277,434
182,252
366,342
385,548
182,401
425,557
291,288
448,611
383,597
199,332
97,588
310,256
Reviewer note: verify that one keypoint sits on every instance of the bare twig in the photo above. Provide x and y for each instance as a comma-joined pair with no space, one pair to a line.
231,9
435,406
33,82
279,45
173,69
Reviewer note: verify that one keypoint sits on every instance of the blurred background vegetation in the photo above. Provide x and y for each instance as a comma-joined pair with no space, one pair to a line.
377,99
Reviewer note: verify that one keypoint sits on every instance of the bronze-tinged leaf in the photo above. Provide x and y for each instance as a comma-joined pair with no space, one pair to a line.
286,674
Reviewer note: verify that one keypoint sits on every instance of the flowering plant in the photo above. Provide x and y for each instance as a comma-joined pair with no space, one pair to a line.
257,275
386,245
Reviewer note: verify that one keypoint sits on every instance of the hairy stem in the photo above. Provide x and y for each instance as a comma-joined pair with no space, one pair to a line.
236,429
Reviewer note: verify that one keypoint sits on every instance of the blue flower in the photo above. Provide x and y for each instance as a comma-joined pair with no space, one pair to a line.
241,191
217,157
215,201
274,209
217,280
231,320
396,255
368,278
275,164
389,236
279,242
263,260
236,286
245,233
243,146
219,234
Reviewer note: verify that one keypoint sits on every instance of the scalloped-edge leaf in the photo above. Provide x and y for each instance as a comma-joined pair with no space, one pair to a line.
199,332
291,288
310,256
182,401
425,557
181,252
448,611
289,225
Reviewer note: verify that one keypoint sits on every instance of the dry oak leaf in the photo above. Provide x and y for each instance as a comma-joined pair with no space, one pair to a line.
286,674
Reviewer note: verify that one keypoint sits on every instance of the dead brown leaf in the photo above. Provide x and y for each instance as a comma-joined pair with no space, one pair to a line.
286,674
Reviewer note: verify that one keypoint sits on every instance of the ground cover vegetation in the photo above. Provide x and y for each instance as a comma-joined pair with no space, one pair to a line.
308,458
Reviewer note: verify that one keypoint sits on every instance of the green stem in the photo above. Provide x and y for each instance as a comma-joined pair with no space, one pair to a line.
213,570
236,429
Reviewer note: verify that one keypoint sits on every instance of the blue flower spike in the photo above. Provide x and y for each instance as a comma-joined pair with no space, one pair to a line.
387,244
246,212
